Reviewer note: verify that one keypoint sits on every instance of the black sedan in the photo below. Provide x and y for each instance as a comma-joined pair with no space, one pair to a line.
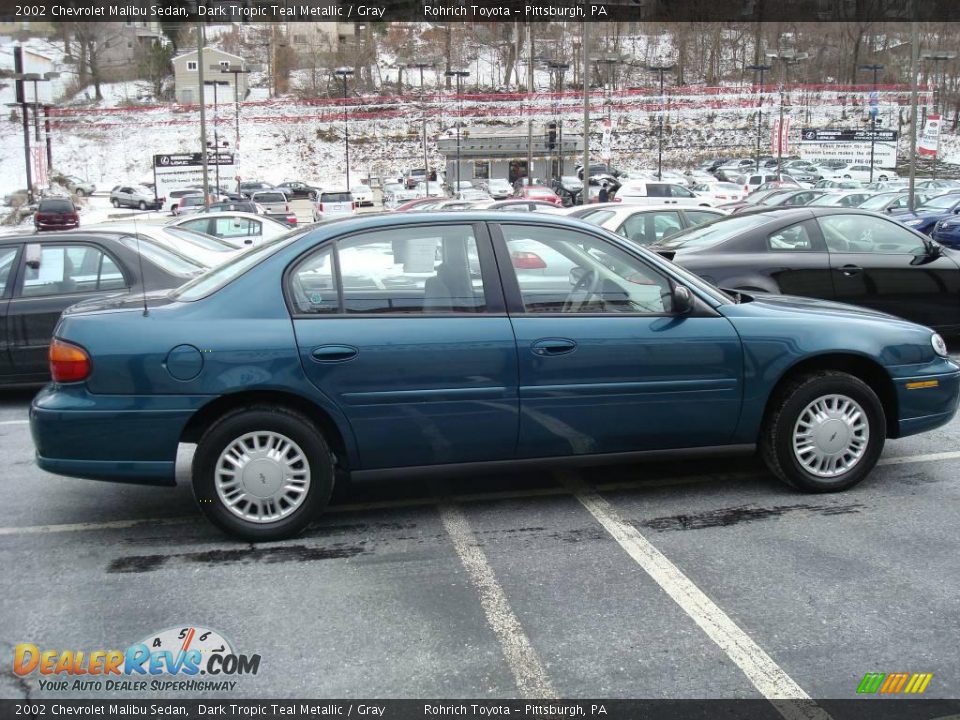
843,254
39,278
294,190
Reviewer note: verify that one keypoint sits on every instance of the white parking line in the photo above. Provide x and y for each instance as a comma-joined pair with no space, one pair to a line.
929,457
14,422
528,671
769,678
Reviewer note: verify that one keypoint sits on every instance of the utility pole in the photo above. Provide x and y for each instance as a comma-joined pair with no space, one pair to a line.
760,69
22,99
459,75
914,55
46,132
423,112
660,69
937,56
786,58
585,56
236,72
873,111
201,39
343,73
530,92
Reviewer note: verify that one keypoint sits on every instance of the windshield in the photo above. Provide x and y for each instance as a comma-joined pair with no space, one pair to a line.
162,257
218,277
55,206
877,202
941,202
199,239
714,232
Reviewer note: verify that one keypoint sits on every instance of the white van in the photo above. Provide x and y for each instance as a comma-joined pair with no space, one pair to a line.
659,193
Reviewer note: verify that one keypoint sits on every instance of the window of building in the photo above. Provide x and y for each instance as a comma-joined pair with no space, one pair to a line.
481,170
191,65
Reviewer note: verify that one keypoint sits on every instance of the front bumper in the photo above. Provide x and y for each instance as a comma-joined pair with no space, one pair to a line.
119,438
927,395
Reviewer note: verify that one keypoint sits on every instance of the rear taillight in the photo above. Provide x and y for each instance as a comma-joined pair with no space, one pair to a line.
353,206
286,208
68,362
526,260
321,207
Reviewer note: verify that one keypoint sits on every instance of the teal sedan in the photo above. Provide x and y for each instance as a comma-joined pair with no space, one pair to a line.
412,343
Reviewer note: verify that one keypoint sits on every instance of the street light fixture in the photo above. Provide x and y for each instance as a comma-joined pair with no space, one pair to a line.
344,73
786,58
937,56
459,75
760,69
236,71
216,133
660,69
873,111
421,66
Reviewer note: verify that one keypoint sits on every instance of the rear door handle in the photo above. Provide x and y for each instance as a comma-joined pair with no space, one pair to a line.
334,353
851,270
552,346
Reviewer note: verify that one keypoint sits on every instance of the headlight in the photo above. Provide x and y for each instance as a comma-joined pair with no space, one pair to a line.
939,346
915,221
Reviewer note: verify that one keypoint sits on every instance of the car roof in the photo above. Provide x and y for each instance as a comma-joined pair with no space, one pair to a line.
226,214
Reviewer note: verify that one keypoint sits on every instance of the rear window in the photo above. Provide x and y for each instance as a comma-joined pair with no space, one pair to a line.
270,197
336,197
715,232
160,256
56,205
199,239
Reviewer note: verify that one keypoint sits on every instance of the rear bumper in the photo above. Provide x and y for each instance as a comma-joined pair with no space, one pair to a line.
927,396
119,438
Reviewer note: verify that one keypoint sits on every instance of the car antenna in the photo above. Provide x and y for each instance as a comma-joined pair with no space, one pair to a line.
143,287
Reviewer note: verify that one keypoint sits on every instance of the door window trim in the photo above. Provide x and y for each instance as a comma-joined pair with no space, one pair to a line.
489,275
14,277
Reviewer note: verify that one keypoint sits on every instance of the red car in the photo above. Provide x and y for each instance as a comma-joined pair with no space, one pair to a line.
412,204
539,192
56,214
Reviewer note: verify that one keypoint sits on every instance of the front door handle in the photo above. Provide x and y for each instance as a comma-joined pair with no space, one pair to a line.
851,270
334,353
552,346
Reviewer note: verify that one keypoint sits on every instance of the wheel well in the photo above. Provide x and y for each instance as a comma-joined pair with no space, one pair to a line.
210,412
860,367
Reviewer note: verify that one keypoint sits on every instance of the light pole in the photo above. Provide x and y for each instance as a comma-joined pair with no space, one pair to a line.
344,73
459,75
236,71
786,58
873,112
421,66
660,69
937,56
216,132
35,78
760,69
559,68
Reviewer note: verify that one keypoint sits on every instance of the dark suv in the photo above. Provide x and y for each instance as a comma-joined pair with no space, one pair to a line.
57,213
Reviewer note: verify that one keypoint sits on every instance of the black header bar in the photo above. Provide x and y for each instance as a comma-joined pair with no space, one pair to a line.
732,11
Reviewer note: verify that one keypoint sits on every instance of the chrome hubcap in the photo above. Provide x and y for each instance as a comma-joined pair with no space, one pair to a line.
831,435
262,477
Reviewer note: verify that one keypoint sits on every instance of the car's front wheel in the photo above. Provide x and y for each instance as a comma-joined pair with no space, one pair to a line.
115,203
80,192
824,432
262,473
142,205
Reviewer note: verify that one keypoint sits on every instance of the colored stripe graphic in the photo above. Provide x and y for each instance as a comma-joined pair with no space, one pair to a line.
894,683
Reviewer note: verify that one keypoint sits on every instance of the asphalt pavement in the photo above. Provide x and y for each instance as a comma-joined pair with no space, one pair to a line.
693,579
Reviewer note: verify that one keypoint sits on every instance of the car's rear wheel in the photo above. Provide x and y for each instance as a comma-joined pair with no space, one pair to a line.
142,205
79,192
824,432
262,473
115,203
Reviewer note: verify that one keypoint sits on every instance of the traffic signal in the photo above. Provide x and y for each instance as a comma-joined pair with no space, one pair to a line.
551,135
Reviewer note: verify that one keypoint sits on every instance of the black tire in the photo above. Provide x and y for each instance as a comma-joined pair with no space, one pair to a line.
80,192
776,435
142,205
259,418
115,203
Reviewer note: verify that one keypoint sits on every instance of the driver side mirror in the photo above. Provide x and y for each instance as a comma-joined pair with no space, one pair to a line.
933,250
682,300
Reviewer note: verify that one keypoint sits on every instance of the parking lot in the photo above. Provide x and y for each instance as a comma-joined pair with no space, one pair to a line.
702,578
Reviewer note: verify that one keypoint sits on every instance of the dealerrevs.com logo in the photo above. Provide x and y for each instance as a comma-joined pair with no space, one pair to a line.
188,659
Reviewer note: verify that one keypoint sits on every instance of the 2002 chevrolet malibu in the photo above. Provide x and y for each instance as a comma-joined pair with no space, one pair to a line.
370,345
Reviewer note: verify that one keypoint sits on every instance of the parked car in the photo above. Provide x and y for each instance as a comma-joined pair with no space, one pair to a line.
947,232
135,196
942,185
649,224
861,172
190,204
577,317
498,188
841,254
249,187
538,192
173,198
234,228
275,206
40,276
334,203
195,247
56,213
362,195
294,189
78,186
896,200
521,205
837,184
843,198
658,193
926,215
718,192
246,206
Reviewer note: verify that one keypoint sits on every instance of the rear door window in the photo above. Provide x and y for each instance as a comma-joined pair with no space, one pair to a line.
7,256
658,190
649,228
66,269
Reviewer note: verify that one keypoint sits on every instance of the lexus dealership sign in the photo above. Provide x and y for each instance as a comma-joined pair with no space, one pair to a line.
851,145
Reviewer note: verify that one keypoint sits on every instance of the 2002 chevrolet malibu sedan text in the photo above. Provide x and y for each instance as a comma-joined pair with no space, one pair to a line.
370,345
